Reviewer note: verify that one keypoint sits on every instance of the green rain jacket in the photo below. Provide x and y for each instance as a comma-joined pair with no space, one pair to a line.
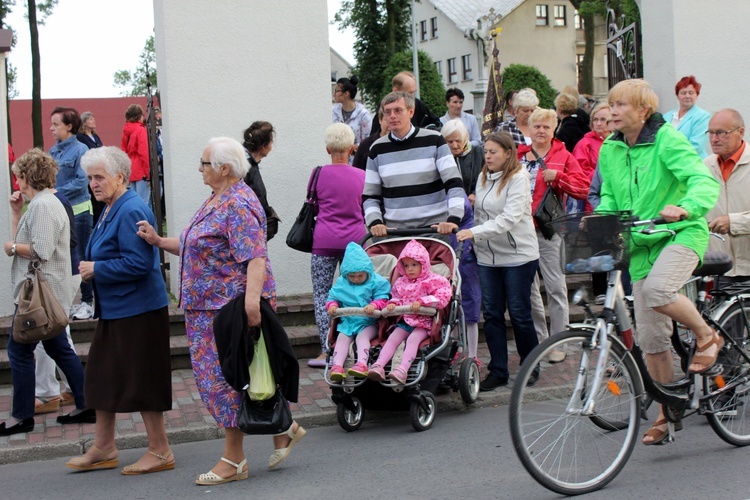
661,168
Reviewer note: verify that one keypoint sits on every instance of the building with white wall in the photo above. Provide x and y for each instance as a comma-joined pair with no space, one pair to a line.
537,33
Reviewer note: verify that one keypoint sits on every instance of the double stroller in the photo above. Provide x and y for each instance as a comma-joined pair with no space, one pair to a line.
439,361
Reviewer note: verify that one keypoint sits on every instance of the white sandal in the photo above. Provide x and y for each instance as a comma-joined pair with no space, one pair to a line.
280,455
211,478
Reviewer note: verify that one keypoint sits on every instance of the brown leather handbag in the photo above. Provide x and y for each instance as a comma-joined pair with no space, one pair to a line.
39,315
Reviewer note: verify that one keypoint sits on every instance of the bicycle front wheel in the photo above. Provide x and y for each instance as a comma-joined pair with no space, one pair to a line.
564,448
729,411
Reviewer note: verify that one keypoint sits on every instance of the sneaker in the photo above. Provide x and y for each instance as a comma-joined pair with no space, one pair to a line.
599,300
491,382
398,375
376,373
358,370
85,311
337,373
73,310
556,356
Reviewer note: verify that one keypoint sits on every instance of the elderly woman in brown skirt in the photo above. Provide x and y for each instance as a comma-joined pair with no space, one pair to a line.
129,361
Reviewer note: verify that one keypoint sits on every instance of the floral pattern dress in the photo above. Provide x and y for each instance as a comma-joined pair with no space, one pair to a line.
214,251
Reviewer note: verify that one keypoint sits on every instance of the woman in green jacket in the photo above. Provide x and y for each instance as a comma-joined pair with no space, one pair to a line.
650,169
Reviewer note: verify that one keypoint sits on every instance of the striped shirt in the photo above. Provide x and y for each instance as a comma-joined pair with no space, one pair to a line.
408,182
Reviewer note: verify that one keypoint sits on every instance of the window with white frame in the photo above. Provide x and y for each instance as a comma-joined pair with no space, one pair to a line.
433,27
542,15
423,31
439,68
452,70
560,15
466,66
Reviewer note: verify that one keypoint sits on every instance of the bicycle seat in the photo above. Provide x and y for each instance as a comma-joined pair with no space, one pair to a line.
714,264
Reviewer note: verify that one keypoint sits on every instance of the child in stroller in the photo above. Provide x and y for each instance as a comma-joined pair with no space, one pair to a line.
358,286
416,286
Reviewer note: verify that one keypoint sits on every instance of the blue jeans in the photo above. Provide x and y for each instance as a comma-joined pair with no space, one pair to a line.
21,358
511,287
84,221
142,189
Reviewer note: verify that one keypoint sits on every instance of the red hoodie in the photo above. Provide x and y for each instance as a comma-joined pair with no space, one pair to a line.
570,179
135,143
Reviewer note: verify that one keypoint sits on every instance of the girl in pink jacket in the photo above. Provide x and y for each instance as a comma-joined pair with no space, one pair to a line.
416,286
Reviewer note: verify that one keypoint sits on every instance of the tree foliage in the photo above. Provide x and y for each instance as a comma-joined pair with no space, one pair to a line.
381,29
134,83
431,88
519,76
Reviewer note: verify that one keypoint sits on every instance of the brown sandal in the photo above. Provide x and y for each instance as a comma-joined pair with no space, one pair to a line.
166,464
658,436
704,360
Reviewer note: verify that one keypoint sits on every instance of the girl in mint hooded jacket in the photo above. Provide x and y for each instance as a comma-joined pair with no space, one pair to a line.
358,286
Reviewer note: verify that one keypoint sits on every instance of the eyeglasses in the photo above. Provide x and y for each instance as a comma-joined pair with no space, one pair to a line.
394,111
204,163
720,134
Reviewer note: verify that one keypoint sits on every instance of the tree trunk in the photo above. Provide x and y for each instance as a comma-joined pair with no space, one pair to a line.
36,82
587,71
390,10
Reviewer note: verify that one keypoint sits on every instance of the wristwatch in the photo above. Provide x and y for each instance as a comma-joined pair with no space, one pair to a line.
13,249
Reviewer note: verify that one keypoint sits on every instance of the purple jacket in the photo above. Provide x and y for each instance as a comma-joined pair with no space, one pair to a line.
340,218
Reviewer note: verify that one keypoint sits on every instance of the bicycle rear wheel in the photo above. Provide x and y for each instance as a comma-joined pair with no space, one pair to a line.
563,449
729,414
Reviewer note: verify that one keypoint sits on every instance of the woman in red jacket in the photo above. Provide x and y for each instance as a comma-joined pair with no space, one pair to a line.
586,151
135,143
564,174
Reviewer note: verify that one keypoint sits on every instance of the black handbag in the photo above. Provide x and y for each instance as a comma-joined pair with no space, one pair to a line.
271,416
300,236
549,208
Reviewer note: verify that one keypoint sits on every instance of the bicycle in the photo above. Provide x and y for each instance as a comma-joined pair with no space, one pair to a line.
575,430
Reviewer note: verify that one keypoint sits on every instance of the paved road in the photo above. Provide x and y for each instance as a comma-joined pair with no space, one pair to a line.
467,454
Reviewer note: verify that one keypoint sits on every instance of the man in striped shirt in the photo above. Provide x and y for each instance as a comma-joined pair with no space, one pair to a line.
412,179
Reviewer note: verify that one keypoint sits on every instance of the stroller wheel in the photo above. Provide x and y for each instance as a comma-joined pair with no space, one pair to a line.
350,420
422,417
468,381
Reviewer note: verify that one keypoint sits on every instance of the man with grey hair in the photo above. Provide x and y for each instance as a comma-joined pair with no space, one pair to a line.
422,117
410,175
730,165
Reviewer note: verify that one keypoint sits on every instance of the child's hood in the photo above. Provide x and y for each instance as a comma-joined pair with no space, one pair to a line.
415,250
356,260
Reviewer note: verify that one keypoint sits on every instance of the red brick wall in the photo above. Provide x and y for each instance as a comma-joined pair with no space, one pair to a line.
109,114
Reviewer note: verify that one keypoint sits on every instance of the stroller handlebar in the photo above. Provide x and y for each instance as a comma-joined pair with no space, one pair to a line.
398,311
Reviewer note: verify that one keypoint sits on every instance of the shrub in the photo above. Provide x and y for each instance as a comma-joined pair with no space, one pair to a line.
519,76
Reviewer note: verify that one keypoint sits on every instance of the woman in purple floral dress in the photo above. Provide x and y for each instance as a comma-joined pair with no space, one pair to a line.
222,254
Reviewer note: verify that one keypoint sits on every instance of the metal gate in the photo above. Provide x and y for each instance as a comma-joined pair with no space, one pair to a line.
623,50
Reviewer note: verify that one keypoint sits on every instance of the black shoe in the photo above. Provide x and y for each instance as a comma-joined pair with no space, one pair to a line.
490,382
25,425
84,417
534,376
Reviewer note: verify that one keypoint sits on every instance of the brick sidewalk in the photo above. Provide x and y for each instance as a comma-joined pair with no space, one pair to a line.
189,420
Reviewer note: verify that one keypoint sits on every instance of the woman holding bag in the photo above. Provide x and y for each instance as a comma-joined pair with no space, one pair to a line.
223,255
339,193
550,164
507,254
44,229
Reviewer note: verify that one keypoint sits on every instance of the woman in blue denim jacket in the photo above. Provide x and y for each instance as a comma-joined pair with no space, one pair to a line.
72,182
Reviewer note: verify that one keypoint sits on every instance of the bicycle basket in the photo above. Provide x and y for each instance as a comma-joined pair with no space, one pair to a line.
591,242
